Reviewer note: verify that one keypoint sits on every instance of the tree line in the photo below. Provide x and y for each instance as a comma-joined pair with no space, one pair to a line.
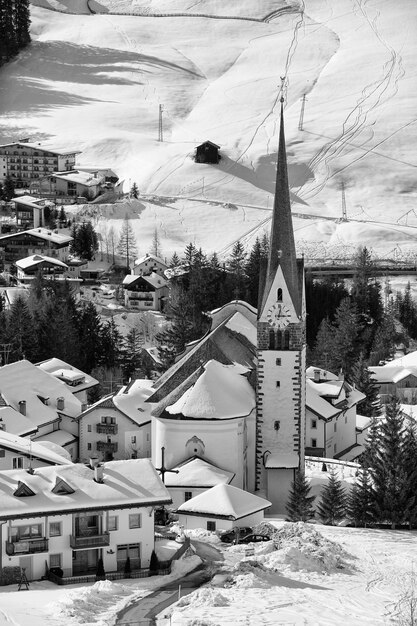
14,28
385,488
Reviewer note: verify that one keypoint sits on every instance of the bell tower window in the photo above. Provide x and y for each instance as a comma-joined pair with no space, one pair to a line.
279,295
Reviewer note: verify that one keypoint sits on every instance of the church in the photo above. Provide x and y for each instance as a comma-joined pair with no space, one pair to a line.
235,399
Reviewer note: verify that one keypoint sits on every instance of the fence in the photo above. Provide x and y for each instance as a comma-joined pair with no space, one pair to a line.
163,570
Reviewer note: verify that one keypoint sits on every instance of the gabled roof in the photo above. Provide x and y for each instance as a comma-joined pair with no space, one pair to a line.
15,423
28,448
40,233
155,280
220,392
391,373
126,484
130,401
224,501
197,473
150,257
210,143
318,405
39,259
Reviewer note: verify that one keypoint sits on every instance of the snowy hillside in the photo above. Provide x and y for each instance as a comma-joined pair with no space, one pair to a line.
95,82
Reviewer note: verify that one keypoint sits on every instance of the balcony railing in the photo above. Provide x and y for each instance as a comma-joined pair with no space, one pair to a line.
94,541
30,546
104,446
107,429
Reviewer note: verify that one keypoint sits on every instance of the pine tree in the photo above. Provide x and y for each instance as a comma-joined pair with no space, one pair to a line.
156,248
175,260
8,187
385,338
346,337
366,291
100,573
253,269
360,505
19,332
126,245
8,42
85,242
89,332
372,444
173,340
364,381
333,502
390,477
189,254
300,504
22,23
323,354
236,266
111,343
134,191
131,352
410,465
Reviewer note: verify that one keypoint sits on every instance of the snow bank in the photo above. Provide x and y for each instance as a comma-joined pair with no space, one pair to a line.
205,596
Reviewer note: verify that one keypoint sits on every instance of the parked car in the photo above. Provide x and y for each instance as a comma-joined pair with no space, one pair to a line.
229,536
252,538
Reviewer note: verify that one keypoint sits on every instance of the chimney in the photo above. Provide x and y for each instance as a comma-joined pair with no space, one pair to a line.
94,461
22,407
60,403
99,473
316,376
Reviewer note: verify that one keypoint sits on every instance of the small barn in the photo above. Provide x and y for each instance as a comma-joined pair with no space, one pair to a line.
207,152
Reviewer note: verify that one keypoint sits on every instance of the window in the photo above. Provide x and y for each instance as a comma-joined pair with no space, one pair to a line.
2,453
128,550
277,361
17,462
55,560
135,520
187,495
89,428
313,423
335,448
314,443
279,295
55,529
113,523
211,526
335,426
23,533
133,439
278,383
88,446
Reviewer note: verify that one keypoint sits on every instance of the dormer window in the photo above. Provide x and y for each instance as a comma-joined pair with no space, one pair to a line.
23,491
62,488
44,400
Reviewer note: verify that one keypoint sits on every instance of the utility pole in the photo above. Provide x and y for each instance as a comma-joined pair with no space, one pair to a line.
160,129
303,103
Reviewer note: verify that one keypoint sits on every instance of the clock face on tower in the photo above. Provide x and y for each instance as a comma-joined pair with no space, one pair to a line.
278,316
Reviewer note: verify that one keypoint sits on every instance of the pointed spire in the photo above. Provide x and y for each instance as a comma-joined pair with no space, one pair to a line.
282,245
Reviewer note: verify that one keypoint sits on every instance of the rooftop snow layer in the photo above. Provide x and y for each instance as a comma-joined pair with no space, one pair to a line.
282,459
240,324
59,437
317,404
125,484
391,373
23,445
197,472
63,371
42,233
15,423
219,393
37,259
225,500
131,400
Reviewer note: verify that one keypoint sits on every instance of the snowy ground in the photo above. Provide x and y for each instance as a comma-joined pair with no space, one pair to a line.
95,82
318,575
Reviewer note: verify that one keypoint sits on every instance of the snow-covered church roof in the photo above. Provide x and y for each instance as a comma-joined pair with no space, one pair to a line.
226,501
196,472
221,392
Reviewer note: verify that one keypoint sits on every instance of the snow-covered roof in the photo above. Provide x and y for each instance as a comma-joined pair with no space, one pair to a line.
362,422
282,459
408,360
59,437
37,259
318,405
391,373
242,325
221,392
22,445
154,354
68,374
324,374
155,280
43,147
329,389
41,233
131,400
150,257
15,423
225,501
31,201
196,472
80,177
22,381
220,314
354,396
125,484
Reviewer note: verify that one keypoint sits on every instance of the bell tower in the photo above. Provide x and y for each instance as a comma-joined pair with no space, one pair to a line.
280,428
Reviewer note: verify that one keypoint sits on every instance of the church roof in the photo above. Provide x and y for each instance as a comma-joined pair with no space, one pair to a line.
225,501
282,245
221,392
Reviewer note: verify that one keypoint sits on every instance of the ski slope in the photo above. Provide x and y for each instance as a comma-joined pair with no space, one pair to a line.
95,82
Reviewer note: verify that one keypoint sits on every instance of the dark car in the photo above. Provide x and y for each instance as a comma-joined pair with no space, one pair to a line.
229,536
253,538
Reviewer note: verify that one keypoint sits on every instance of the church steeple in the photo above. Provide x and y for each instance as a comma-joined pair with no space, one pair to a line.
282,245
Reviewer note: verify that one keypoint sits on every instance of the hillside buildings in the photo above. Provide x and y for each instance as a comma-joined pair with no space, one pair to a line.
30,211
41,241
145,292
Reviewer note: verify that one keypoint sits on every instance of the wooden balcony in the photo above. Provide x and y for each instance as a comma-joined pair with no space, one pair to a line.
107,429
91,541
31,546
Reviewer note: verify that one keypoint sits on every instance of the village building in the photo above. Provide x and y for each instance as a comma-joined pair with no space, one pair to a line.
119,425
45,401
69,516
149,264
30,211
222,507
30,266
192,477
76,183
331,420
41,241
26,162
207,152
145,292
77,381
397,378
22,453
